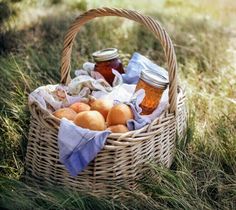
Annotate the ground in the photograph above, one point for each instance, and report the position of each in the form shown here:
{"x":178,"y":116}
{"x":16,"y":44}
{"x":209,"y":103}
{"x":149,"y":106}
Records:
{"x":203,"y":175}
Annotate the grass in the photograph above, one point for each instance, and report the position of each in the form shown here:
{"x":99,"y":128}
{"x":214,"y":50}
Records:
{"x":203,"y":175}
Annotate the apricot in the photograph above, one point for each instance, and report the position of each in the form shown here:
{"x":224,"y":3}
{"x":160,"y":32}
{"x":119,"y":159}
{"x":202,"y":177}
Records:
{"x":92,"y":120}
{"x":102,"y":105}
{"x":67,"y":113}
{"x":119,"y":114}
{"x":118,"y":129}
{"x":80,"y":107}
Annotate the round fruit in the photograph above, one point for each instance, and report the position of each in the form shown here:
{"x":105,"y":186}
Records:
{"x":102,"y":105}
{"x":118,"y":129}
{"x":67,"y":113}
{"x":80,"y":107}
{"x":119,"y":114}
{"x":92,"y":120}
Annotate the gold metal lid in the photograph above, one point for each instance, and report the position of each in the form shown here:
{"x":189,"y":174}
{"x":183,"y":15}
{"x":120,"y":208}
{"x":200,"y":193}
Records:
{"x":105,"y":54}
{"x":154,"y":78}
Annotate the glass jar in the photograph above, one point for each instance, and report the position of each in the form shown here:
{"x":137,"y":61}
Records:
{"x":106,"y":60}
{"x":154,"y":85}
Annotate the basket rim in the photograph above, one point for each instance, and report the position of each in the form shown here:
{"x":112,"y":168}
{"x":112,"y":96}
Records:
{"x":115,"y":136}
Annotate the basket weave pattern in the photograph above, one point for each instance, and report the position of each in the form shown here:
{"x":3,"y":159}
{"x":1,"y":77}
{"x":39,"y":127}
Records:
{"x":125,"y":157}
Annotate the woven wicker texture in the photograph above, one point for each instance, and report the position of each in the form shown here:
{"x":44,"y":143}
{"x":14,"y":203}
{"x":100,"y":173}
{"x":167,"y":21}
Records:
{"x":125,"y":157}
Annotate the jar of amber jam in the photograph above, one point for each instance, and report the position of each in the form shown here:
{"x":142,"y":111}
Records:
{"x":154,"y":85}
{"x":106,"y":60}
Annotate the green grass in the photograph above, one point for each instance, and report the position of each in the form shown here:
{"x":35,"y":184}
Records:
{"x":203,"y":175}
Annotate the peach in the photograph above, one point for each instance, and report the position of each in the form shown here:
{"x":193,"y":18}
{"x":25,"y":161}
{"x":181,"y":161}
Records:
{"x":80,"y":107}
{"x":118,"y":129}
{"x":92,"y":120}
{"x":67,"y":113}
{"x":102,"y":105}
{"x":119,"y":114}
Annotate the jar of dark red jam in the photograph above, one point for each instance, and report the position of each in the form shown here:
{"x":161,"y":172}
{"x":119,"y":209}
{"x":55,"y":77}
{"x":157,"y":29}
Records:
{"x":106,"y":60}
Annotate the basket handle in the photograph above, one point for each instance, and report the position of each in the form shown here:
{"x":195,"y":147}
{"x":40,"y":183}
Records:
{"x":147,"y":21}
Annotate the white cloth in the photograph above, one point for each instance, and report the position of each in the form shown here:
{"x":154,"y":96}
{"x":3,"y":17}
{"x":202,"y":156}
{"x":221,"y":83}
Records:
{"x":138,"y":63}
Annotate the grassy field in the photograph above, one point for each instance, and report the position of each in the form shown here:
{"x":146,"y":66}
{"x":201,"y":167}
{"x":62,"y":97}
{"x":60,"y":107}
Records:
{"x":203,"y":175}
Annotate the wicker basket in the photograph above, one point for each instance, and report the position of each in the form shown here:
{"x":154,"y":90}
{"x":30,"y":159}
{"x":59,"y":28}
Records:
{"x":124,"y":158}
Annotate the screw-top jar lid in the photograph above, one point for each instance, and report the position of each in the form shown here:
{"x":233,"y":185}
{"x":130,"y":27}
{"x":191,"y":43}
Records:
{"x":105,"y":54}
{"x":154,"y":78}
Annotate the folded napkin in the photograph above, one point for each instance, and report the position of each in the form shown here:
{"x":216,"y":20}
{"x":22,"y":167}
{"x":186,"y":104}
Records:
{"x":136,"y":64}
{"x":78,"y":146}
